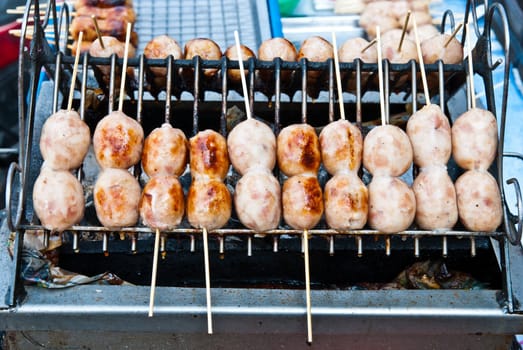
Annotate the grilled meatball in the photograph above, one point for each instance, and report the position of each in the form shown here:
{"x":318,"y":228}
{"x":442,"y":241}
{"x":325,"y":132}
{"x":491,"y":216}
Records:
{"x":389,"y":46}
{"x":315,"y":49}
{"x":165,"y":152}
{"x":162,"y":204}
{"x":346,"y":202}
{"x":118,"y":141}
{"x":298,"y":150}
{"x":425,"y":31}
{"x":257,"y":200}
{"x":434,"y":49}
{"x":475,"y":139}
{"x":479,"y":201}
{"x":268,"y":51}
{"x":206,"y":49}
{"x":116,"y":198}
{"x":387,"y":151}
{"x":302,"y":201}
{"x":208,"y":204}
{"x":251,"y":144}
{"x":430,"y":135}
{"x":162,"y":46}
{"x":112,"y":46}
{"x":392,"y":204}
{"x":436,"y":206}
{"x":58,"y":199}
{"x":64,"y":140}
{"x":231,"y":53}
{"x":208,"y":155}
{"x":341,"y":147}
{"x":351,"y":49}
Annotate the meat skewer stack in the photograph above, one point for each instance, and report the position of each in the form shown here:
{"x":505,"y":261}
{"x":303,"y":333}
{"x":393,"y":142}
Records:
{"x":346,"y":197}
{"x":208,"y":200}
{"x":430,"y":135}
{"x":117,"y":143}
{"x":112,"y":19}
{"x":58,"y":196}
{"x":162,"y":204}
{"x":299,"y":157}
{"x":474,"y":146}
{"x":387,"y":153}
{"x":252,"y":151}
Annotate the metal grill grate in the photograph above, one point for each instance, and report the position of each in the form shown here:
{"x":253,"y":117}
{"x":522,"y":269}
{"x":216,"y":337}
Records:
{"x":216,"y":19}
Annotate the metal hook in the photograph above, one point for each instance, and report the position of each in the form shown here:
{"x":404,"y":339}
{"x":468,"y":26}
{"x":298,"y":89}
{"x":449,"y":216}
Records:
{"x":450,"y":15}
{"x":13,"y":167}
{"x":514,"y":235}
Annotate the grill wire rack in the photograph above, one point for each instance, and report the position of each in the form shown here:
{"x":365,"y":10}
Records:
{"x":58,"y":65}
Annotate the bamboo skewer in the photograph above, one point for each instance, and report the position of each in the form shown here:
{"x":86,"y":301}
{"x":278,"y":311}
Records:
{"x":454,"y":33}
{"x":471,"y":69}
{"x":207,"y":279}
{"x":421,"y":64}
{"x":98,"y":34}
{"x":124,"y":67}
{"x":154,"y":272}
{"x":307,"y":284}
{"x":338,"y":76}
{"x":380,"y":77}
{"x":242,"y":75}
{"x":75,"y":72}
{"x":373,"y":42}
{"x":404,"y":30}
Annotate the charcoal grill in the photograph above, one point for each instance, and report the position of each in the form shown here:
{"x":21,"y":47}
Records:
{"x":257,"y":280}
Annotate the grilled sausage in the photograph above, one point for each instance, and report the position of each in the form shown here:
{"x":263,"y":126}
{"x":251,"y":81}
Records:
{"x":341,"y":147}
{"x":162,"y":203}
{"x":116,"y":197}
{"x":206,"y":49}
{"x":251,"y":144}
{"x":430,"y":135}
{"x":165,"y":151}
{"x":302,"y":201}
{"x":346,"y":202}
{"x":387,"y":151}
{"x":436,"y":206}
{"x":161,"y":47}
{"x":257,"y":200}
{"x":475,"y":139}
{"x":208,"y":155}
{"x":58,"y":199}
{"x":315,"y":49}
{"x":479,"y":201}
{"x":118,"y":141}
{"x":298,"y":150}
{"x":392,"y":204}
{"x":64,"y":140}
{"x":434,"y":49}
{"x":208,"y":204}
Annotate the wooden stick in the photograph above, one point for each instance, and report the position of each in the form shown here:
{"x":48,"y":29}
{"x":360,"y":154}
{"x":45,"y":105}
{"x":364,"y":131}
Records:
{"x":242,"y":75}
{"x":124,"y":67}
{"x":404,"y":31}
{"x":471,"y":69}
{"x":207,"y":280}
{"x":155,"y":271}
{"x":98,"y":34}
{"x":421,"y":64}
{"x":75,"y":72}
{"x":380,"y":77}
{"x":338,"y":76}
{"x":454,"y":33}
{"x":307,"y":284}
{"x":374,"y":41}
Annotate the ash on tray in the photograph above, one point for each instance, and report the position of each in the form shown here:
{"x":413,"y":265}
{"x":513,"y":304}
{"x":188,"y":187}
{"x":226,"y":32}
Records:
{"x":427,"y":274}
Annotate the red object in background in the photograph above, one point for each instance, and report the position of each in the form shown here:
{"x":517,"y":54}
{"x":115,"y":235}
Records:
{"x":9,"y":44}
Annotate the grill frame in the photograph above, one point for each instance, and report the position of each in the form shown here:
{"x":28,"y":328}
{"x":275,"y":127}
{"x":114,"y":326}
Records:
{"x":483,"y":307}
